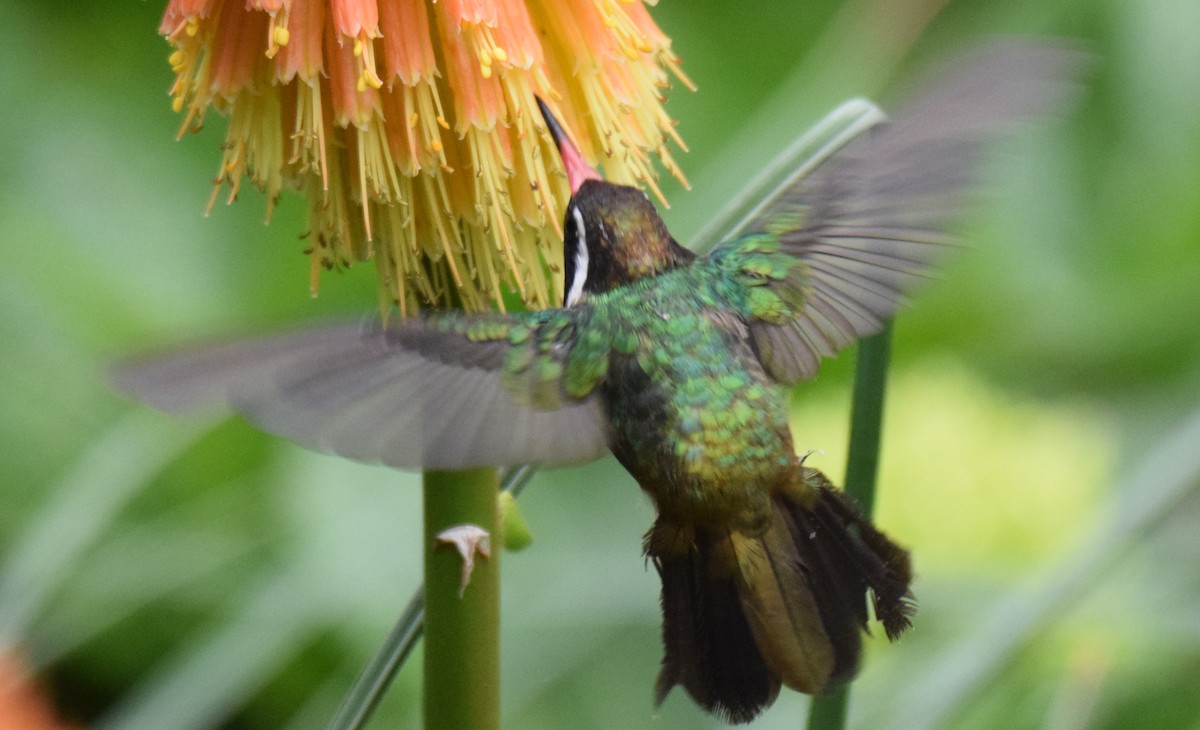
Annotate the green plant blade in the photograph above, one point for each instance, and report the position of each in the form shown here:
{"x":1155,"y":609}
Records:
{"x":828,"y":712}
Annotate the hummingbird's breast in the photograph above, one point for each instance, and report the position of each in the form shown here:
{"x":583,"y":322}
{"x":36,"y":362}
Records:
{"x":696,"y":419}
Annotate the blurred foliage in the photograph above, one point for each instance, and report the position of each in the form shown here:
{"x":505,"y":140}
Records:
{"x":1040,"y":448}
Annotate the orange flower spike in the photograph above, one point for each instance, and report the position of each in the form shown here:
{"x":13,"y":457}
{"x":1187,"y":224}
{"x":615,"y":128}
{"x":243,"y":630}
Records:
{"x":359,"y":21}
{"x":660,"y":46}
{"x":582,"y":27}
{"x":182,"y":24}
{"x":270,"y":7}
{"x":477,"y":98}
{"x":356,"y":18}
{"x":629,"y":39}
{"x":523,"y":76}
{"x":253,"y":147}
{"x":403,"y":134}
{"x":610,"y":91}
{"x":180,"y":14}
{"x":412,"y":107}
{"x":510,"y":38}
{"x":407,"y":46}
{"x":237,"y":56}
{"x":351,"y":103}
{"x":278,"y":34}
{"x":488,"y":94}
{"x":475,"y":12}
{"x":456,"y":195}
{"x":235,"y":72}
{"x":478,"y":25}
{"x":518,"y":38}
{"x":357,"y":110}
{"x":654,"y":39}
{"x":312,"y":106}
{"x":302,"y":54}
{"x":300,"y":65}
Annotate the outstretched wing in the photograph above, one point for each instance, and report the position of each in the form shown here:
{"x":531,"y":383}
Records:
{"x":442,"y":392}
{"x":838,"y":247}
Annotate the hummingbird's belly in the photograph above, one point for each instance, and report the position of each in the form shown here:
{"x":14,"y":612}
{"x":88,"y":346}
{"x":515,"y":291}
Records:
{"x":705,"y":430}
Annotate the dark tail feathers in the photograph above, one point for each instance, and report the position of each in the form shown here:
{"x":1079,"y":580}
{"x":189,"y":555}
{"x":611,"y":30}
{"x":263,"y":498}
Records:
{"x":744,"y":614}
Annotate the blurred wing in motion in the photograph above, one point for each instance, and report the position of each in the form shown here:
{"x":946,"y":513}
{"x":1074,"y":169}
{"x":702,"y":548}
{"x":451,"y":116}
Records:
{"x":869,"y":222}
{"x":443,"y":392}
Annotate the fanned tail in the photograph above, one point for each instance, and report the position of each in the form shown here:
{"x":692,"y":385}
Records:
{"x":744,"y":614}
{"x":710,"y":646}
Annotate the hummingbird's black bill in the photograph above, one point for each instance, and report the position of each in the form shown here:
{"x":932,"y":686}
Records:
{"x":577,"y":168}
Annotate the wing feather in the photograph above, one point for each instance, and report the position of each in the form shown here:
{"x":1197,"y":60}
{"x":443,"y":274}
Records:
{"x":870,"y":221}
{"x":420,"y":394}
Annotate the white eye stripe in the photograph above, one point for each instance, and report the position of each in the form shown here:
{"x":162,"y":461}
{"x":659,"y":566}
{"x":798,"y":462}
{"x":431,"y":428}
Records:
{"x":575,"y":291}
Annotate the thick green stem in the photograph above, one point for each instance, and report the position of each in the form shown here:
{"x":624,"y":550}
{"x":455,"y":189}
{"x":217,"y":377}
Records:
{"x":828,"y":712}
{"x":377,"y":676}
{"x":462,"y":632}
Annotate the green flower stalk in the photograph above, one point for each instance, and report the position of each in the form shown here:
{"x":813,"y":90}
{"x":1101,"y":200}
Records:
{"x":828,"y":712}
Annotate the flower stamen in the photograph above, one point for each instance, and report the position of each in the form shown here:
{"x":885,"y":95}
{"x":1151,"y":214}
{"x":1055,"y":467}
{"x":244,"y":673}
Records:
{"x":408,"y":126}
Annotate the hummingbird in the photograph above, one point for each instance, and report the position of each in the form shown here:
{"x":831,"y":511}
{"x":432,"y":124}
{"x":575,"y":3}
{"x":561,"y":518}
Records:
{"x":680,"y":364}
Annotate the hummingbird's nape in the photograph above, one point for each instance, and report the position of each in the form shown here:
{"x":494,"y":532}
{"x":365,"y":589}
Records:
{"x":577,"y":168}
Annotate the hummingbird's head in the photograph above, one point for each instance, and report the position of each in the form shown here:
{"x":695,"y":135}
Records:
{"x":613,"y":234}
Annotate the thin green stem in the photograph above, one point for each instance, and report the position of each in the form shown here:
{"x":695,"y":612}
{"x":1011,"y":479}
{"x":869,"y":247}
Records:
{"x":866,"y":417}
{"x":377,"y":676}
{"x":828,"y":711}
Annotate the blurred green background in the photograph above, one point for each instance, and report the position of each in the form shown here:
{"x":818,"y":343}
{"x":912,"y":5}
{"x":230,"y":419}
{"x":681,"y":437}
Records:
{"x":1042,"y":441}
